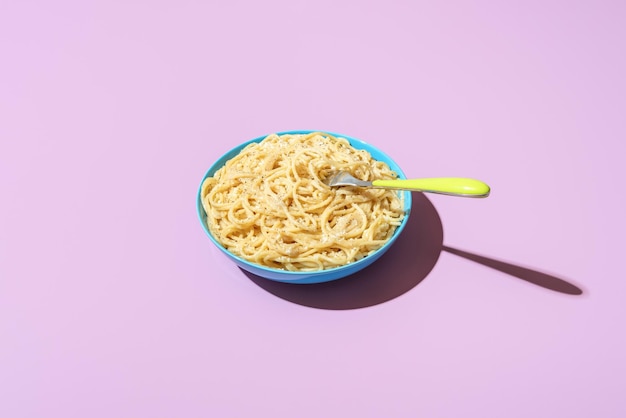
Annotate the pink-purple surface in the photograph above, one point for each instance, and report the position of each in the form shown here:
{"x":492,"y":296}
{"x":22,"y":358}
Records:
{"x":113,"y":302}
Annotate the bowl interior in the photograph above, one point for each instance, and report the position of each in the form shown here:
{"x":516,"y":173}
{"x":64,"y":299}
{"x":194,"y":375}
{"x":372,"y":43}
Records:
{"x":301,"y":277}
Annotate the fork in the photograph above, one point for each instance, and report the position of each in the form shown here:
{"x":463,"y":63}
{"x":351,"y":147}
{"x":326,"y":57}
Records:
{"x":453,"y":186}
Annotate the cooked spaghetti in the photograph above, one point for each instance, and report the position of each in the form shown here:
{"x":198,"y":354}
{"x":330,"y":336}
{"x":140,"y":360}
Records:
{"x":269,"y":204}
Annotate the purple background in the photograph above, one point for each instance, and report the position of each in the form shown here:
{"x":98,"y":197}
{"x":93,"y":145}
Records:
{"x":113,"y":302}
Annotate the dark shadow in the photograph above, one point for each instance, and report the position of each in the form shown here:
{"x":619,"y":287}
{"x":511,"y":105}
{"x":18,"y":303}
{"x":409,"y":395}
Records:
{"x":532,"y":276}
{"x":403,"y":267}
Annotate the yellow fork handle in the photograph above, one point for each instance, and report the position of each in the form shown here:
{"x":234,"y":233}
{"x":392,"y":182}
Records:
{"x":454,"y":186}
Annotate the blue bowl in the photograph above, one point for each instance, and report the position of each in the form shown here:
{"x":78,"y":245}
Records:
{"x":305,"y":277}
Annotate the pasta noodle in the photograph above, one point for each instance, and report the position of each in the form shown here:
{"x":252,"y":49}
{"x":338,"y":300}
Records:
{"x":269,"y":205}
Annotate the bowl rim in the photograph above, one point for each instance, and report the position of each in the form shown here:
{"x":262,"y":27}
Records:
{"x":298,"y":275}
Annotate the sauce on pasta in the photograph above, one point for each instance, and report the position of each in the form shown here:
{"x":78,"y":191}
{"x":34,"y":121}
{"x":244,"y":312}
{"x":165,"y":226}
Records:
{"x":269,"y":205}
